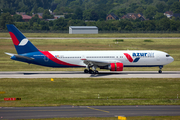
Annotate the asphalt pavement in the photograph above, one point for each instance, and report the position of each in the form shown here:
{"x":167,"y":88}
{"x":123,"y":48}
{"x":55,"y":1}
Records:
{"x":87,"y":111}
{"x":81,"y":74}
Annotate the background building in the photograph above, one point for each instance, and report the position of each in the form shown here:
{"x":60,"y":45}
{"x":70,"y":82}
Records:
{"x":112,"y":16}
{"x":83,"y":30}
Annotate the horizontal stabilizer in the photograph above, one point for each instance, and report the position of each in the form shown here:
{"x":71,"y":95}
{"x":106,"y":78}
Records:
{"x":20,"y":56}
{"x":9,"y":54}
{"x":24,"y":57}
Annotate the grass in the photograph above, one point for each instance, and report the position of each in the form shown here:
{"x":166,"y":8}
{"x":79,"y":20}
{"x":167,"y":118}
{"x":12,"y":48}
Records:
{"x":170,"y":46}
{"x":148,"y":41}
{"x":120,"y":40}
{"x":116,"y":118}
{"x":85,"y":91}
{"x":104,"y":35}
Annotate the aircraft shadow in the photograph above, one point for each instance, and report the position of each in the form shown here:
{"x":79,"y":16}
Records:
{"x":100,"y":74}
{"x":80,"y":73}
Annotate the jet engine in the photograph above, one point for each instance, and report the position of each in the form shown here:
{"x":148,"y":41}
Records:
{"x":116,"y":67}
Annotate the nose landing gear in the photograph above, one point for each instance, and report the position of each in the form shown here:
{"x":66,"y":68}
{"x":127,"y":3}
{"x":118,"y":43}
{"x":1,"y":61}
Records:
{"x":160,"y":69}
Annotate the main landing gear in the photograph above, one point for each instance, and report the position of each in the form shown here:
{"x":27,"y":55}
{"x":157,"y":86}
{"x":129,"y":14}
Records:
{"x":160,"y":69}
{"x":91,"y":71}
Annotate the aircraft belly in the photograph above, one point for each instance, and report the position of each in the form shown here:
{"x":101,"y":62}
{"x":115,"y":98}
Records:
{"x":74,"y":62}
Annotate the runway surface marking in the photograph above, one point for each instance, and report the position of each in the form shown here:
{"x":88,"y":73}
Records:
{"x":87,"y":111}
{"x":80,"y":74}
{"x":98,"y":109}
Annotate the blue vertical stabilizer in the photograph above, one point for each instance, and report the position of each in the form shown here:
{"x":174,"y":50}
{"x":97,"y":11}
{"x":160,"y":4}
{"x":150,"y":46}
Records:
{"x":21,"y":43}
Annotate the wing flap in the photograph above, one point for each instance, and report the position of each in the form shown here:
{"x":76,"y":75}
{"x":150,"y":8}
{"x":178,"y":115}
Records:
{"x":99,"y":62}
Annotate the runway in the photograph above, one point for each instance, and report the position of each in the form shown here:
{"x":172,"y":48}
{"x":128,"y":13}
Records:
{"x":81,"y":74}
{"x":87,"y":111}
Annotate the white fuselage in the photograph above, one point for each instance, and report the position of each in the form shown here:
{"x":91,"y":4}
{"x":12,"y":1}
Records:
{"x":145,"y":57}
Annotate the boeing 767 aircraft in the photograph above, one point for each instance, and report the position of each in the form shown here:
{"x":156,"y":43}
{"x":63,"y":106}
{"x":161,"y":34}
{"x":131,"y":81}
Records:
{"x":91,"y":60}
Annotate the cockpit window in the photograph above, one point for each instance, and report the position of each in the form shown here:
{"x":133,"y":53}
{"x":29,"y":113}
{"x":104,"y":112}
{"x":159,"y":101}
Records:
{"x":167,"y":55}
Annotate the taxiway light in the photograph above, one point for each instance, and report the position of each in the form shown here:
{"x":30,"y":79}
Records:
{"x":2,"y":92}
{"x":52,"y":79}
{"x":121,"y":118}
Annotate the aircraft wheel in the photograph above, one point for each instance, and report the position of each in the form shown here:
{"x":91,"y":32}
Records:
{"x":160,"y":71}
{"x":91,"y":71}
{"x":96,"y":72}
{"x":86,"y":71}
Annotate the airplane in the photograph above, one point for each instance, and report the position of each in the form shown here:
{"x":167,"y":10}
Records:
{"x":113,"y":60}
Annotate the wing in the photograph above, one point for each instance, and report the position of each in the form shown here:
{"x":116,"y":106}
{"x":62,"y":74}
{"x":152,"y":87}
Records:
{"x":99,"y":63}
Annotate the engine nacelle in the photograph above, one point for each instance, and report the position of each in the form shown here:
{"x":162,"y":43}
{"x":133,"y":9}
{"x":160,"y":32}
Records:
{"x":116,"y":67}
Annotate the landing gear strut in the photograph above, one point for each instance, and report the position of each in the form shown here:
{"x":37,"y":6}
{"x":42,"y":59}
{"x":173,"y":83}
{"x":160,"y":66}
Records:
{"x":160,"y":69}
{"x":94,"y":71}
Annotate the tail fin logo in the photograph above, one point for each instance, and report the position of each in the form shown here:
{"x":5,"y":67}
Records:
{"x":130,"y":58}
{"x":23,"y":42}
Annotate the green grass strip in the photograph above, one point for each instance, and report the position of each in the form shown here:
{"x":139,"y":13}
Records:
{"x":85,"y":91}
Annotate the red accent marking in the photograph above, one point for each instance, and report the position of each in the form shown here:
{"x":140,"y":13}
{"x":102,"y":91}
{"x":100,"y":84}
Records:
{"x":83,"y":59}
{"x":51,"y":57}
{"x":14,"y":38}
{"x":128,"y":57}
{"x":9,"y":99}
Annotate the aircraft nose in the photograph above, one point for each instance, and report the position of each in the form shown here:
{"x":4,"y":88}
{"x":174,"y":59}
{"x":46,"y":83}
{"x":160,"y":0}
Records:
{"x":171,"y":59}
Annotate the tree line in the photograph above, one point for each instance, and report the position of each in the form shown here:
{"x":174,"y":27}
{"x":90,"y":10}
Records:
{"x":91,"y":9}
{"x":159,"y":24}
{"x":91,"y":13}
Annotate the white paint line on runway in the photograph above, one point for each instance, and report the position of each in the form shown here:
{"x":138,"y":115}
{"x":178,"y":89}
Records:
{"x":80,"y":74}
